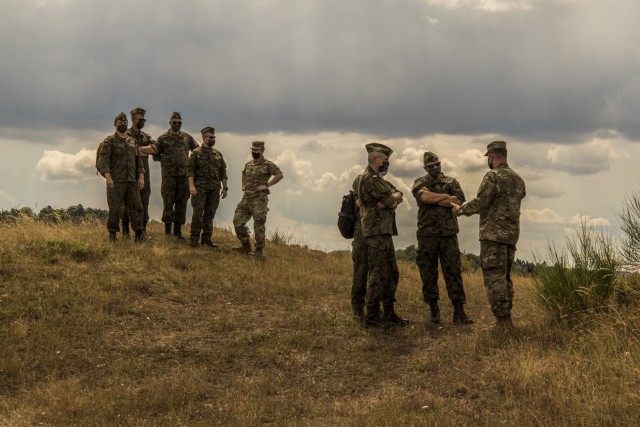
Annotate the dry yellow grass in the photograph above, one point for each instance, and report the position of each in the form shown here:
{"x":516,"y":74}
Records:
{"x":163,"y":334}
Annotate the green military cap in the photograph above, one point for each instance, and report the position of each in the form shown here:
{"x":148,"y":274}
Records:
{"x":176,"y":115}
{"x":495,"y":144}
{"x":120,"y":116}
{"x":257,"y":145}
{"x":430,"y":157}
{"x":138,"y":110}
{"x":208,"y":129}
{"x":381,"y":148}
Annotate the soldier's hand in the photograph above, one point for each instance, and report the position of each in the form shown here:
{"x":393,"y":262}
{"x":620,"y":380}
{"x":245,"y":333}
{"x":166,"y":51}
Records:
{"x":140,"y":183}
{"x":456,"y":209}
{"x":262,"y":188}
{"x":193,"y":191}
{"x":110,"y":184}
{"x":223,"y":194}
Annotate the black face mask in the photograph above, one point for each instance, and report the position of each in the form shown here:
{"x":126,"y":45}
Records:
{"x":140,"y":124}
{"x":489,"y":162}
{"x":384,"y":168}
{"x":434,"y":172}
{"x":211,"y":142}
{"x":122,"y":128}
{"x":256,"y":155}
{"x":176,"y":127}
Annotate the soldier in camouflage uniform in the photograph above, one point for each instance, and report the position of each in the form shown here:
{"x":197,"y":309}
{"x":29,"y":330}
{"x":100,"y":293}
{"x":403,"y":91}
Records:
{"x":378,"y":201}
{"x":257,"y":176}
{"x":360,"y":265}
{"x":207,"y":173}
{"x":120,"y":163}
{"x":142,"y":139}
{"x":173,"y":147}
{"x":498,"y":203}
{"x":437,"y":238}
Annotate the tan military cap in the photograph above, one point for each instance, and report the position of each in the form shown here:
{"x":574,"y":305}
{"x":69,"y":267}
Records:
{"x":495,"y":144}
{"x":138,"y":110}
{"x":120,"y":116}
{"x":208,"y":129}
{"x":176,"y":115}
{"x":381,"y":148}
{"x":430,"y":157}
{"x":257,"y":145}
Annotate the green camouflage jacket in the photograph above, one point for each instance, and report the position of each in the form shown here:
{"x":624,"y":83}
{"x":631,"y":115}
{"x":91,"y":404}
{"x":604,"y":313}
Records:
{"x":207,"y":167}
{"x":120,"y":157}
{"x":374,"y":189}
{"x":258,"y":172}
{"x":174,"y":152}
{"x":142,"y":139}
{"x":498,"y":203}
{"x":435,"y":220}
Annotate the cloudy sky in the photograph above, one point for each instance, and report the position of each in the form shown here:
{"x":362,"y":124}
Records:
{"x":317,"y":80}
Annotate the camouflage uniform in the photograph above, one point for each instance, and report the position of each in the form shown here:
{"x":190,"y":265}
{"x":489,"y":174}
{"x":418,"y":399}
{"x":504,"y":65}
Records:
{"x":378,"y":225}
{"x":142,"y":139}
{"x":254,"y":203}
{"x":437,"y":238}
{"x":359,"y":258}
{"x":174,"y":153}
{"x":120,"y":157}
{"x":498,"y":203}
{"x":208,"y":168}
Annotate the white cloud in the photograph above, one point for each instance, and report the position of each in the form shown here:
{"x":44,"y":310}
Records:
{"x":431,"y":21}
{"x":58,"y":166}
{"x":486,"y":5}
{"x":579,"y":219}
{"x":542,"y":216}
{"x":472,"y":160}
{"x":295,"y":170}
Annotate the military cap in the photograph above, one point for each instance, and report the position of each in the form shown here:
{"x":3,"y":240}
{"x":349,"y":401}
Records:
{"x":381,"y":148}
{"x":138,"y":110}
{"x":208,"y":129}
{"x":120,"y":116}
{"x":495,"y":144}
{"x":176,"y":115}
{"x":257,"y":145}
{"x":430,"y":157}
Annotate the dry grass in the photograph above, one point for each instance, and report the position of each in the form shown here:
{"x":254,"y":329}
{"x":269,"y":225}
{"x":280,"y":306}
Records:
{"x":163,"y":334}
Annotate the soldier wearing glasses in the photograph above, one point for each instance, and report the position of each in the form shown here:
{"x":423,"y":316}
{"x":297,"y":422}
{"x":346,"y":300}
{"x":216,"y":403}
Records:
{"x":437,"y":233}
{"x":173,"y":147}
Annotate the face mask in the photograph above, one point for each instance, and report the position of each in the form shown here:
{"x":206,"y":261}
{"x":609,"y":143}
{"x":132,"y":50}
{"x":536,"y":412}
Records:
{"x":434,"y":172}
{"x":140,"y":124}
{"x":212,"y":142}
{"x":256,"y":155}
{"x":122,"y":128}
{"x":384,"y":168}
{"x":176,"y":127}
{"x":489,"y":162}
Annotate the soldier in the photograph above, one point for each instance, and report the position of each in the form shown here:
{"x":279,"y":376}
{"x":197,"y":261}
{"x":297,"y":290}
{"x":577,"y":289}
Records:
{"x":360,"y":265}
{"x":173,"y":147}
{"x":437,"y":238}
{"x":120,"y":163}
{"x":257,"y":176}
{"x":498,"y":203}
{"x":378,"y":201}
{"x":206,"y":171}
{"x":142,"y":139}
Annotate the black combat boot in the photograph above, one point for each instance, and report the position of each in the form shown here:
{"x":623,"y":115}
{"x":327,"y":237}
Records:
{"x":358,"y":311}
{"x":193,"y":242}
{"x":206,"y":241}
{"x":459,"y":316}
{"x":390,"y":316}
{"x":139,"y":236}
{"x":244,"y":249}
{"x":504,"y":324}
{"x":167,"y":228}
{"x":435,"y":311}
{"x":258,"y":253}
{"x":372,"y":319}
{"x":125,"y":230}
{"x":112,"y":236}
{"x":177,"y":230}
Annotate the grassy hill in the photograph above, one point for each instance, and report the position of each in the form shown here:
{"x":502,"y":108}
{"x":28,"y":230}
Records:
{"x":164,"y":334}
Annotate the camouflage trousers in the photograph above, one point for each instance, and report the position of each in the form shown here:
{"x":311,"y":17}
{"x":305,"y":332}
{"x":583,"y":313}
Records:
{"x":360,"y":268}
{"x":383,"y":271}
{"x":445,"y":248}
{"x":145,"y":194}
{"x":175,"y":194}
{"x":256,"y":208}
{"x":204,"y":204}
{"x":127,"y":194}
{"x":497,"y":260}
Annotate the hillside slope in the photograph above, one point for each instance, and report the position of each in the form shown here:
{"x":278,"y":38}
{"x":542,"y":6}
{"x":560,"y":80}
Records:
{"x":165,"y":334}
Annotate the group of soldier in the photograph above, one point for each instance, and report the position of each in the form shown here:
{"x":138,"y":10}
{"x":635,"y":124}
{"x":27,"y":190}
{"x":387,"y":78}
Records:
{"x":440,"y":201}
{"x":188,"y":170}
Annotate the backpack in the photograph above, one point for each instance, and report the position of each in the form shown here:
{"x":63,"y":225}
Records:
{"x":348,"y":215}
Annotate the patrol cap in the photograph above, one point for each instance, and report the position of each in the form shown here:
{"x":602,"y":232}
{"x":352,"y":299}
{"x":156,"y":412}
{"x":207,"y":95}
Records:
{"x":257,"y":145}
{"x":138,"y":110}
{"x":175,"y":115}
{"x":381,"y":148}
{"x":430,"y":157}
{"x":120,"y":116}
{"x":495,"y":144}
{"x":208,"y":129}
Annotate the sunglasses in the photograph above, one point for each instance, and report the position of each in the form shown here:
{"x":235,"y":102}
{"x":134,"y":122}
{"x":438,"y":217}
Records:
{"x":433,"y":165}
{"x":175,"y":123}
